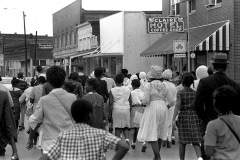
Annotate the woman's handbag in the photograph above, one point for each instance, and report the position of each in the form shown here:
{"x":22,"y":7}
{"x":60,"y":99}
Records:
{"x":29,"y":111}
{"x":138,"y":116}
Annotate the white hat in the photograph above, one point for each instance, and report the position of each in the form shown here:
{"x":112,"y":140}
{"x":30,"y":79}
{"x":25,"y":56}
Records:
{"x":201,"y":72}
{"x":155,"y":72}
{"x":167,"y":74}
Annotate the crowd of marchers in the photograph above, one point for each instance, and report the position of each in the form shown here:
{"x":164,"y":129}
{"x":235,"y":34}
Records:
{"x":75,"y":116}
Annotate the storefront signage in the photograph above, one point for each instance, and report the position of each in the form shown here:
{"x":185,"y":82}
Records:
{"x":45,"y":46}
{"x":165,"y":24}
{"x":193,"y":55}
{"x":179,"y":46}
{"x":177,"y":55}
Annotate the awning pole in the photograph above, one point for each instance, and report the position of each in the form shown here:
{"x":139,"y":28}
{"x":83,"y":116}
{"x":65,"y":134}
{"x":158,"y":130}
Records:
{"x":188,"y":50}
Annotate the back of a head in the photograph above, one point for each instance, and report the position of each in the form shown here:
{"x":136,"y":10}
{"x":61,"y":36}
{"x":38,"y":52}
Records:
{"x":119,"y":78}
{"x":201,"y":72}
{"x":56,"y":76}
{"x":69,"y":86}
{"x":219,"y":67}
{"x":80,"y":111}
{"x":124,"y":72}
{"x":41,"y":80}
{"x":74,"y":76}
{"x":142,"y":75}
{"x":187,"y":79}
{"x":93,"y":82}
{"x":39,"y":69}
{"x":15,"y":82}
{"x":20,"y":75}
{"x":226,"y":99}
{"x":136,"y":83}
{"x":98,"y":72}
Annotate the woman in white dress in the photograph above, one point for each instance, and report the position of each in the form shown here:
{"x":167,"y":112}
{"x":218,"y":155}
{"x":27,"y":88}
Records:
{"x":119,"y":105}
{"x":167,"y":75}
{"x":153,"y":126}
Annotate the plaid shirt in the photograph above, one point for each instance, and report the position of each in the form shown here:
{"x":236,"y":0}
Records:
{"x":82,"y":142}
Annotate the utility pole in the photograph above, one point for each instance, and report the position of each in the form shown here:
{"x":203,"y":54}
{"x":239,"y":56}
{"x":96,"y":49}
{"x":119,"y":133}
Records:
{"x":25,"y":42}
{"x":188,"y":50}
{"x":35,"y":56}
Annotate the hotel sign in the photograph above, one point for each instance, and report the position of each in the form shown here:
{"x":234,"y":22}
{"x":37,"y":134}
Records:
{"x":165,"y":24}
{"x":45,"y":45}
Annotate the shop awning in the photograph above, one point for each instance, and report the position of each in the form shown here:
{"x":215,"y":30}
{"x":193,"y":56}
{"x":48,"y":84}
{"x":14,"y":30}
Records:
{"x":211,"y":37}
{"x":99,"y":54}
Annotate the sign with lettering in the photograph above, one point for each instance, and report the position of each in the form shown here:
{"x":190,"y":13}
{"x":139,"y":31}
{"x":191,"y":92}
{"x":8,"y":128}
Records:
{"x":45,"y":45}
{"x":178,"y":55}
{"x":179,"y":46}
{"x":165,"y":24}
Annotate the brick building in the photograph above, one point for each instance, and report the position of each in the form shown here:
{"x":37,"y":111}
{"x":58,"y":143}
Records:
{"x":12,"y":46}
{"x":214,"y":27}
{"x":65,"y":34}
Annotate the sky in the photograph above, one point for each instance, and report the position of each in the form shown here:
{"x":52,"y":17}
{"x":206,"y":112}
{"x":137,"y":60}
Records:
{"x":39,"y":12}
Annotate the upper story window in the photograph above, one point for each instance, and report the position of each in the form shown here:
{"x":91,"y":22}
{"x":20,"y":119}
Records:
{"x":213,"y":3}
{"x":174,"y":7}
{"x":192,"y":6}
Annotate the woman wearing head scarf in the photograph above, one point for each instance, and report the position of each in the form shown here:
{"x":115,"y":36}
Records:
{"x":201,"y":72}
{"x":167,"y":75}
{"x":153,"y":126}
{"x":143,"y":80}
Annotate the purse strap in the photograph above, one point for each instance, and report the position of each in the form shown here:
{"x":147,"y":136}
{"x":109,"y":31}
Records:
{"x":234,"y":133}
{"x":64,"y":106}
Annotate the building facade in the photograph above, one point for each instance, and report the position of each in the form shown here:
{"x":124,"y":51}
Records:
{"x":66,"y":23}
{"x":122,"y":37}
{"x":13,"y":49}
{"x":212,"y":28}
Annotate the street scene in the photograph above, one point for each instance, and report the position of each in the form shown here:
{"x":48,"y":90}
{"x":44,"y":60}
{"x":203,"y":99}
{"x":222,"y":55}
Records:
{"x":122,"y":79}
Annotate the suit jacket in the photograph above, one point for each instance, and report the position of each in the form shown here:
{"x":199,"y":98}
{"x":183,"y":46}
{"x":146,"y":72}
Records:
{"x":204,"y":102}
{"x":7,"y":123}
{"x":102,"y":90}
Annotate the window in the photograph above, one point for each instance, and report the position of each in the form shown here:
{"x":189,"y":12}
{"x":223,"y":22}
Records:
{"x":213,"y":3}
{"x":59,"y":42}
{"x":43,"y":63}
{"x":72,"y":38}
{"x":192,"y":5}
{"x":174,"y":7}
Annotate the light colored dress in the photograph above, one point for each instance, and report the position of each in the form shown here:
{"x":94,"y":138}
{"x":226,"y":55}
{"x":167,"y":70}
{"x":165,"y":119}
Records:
{"x":173,"y":89}
{"x":36,"y":94}
{"x":154,"y":121}
{"x":121,"y":107}
{"x":137,"y":97}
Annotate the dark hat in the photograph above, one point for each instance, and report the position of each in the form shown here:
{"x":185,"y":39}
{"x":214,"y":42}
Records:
{"x":220,"y":58}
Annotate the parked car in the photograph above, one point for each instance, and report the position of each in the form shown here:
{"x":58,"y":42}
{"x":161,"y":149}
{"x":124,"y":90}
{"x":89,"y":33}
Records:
{"x":6,"y":81}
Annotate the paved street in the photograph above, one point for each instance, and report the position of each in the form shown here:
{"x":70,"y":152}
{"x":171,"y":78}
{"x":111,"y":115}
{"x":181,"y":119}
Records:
{"x":166,"y":153}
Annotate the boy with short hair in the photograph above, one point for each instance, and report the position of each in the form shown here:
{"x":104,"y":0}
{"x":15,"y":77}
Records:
{"x":84,"y":141}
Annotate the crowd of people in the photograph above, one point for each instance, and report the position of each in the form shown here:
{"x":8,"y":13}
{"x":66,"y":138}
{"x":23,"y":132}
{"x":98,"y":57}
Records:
{"x":76,"y":116}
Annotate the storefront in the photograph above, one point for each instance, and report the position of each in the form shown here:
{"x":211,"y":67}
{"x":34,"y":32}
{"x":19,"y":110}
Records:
{"x":203,"y":42}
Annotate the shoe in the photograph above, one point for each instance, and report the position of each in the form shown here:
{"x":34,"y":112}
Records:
{"x":14,"y":158}
{"x":144,"y":147}
{"x":133,"y":145}
{"x":168,"y":144}
{"x":164,"y":144}
{"x":173,"y":141}
{"x":127,"y":141}
{"x":21,"y":128}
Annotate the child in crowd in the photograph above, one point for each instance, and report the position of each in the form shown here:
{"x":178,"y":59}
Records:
{"x":137,"y":97}
{"x":83,"y":141}
{"x":189,"y":125}
{"x":222,"y":134}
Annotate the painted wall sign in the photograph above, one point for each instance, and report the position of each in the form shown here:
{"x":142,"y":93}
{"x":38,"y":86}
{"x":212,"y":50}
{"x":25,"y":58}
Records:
{"x":165,"y":24}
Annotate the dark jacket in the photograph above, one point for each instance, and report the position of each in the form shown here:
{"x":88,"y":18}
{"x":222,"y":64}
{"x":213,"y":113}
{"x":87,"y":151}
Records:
{"x":204,"y":102}
{"x":7,"y":123}
{"x":103,"y":91}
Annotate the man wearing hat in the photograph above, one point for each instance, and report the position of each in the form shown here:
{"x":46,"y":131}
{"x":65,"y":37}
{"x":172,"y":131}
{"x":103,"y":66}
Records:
{"x":203,"y":101}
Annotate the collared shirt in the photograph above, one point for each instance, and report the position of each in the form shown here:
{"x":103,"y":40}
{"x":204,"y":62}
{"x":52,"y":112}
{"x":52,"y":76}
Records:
{"x":82,"y":142}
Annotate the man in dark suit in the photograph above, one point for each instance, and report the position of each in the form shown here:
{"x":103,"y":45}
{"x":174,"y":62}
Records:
{"x":203,"y":101}
{"x":8,"y":130}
